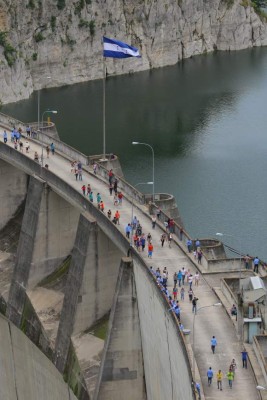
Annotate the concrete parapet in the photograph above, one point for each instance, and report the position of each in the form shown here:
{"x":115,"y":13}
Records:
{"x":25,"y":251}
{"x":167,"y":203}
{"x":63,"y":148}
{"x":121,"y":373}
{"x":72,"y":290}
{"x":260,"y":348}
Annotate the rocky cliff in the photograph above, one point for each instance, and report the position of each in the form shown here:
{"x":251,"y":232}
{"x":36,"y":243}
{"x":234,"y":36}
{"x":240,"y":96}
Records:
{"x":45,"y":43}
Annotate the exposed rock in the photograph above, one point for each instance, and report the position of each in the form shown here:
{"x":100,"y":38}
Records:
{"x":65,"y":44}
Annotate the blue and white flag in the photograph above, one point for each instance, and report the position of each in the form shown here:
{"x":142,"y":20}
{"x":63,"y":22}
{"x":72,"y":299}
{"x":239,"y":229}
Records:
{"x":116,"y":49}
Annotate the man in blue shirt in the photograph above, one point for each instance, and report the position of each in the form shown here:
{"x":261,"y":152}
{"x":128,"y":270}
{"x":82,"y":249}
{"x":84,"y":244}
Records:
{"x":256,"y":264}
{"x":210,"y":376}
{"x":213,"y":343}
{"x":198,"y":390}
{"x":244,"y":359}
{"x":189,"y":245}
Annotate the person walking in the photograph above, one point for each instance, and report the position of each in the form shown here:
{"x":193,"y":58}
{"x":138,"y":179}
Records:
{"x":52,"y":147}
{"x":150,"y":250}
{"x":219,"y":377}
{"x":230,"y":377}
{"x":179,"y":277}
{"x":120,"y":196}
{"x":117,"y":216}
{"x":91,"y":197}
{"x":128,"y":230}
{"x":98,"y":199}
{"x":153,"y":220}
{"x":194,"y":304}
{"x":183,"y":275}
{"x":182,"y":294}
{"x":196,"y":278}
{"x":244,"y":358}
{"x":109,"y":214}
{"x":198,"y":390}
{"x":256,"y":262}
{"x":102,"y":206}
{"x":213,"y":344}
{"x":110,"y":176}
{"x":162,"y":239}
{"x":246,"y":261}
{"x":189,"y":245}
{"x":83,"y":189}
{"x":5,"y":137}
{"x":190,"y":281}
{"x":210,"y":376}
{"x":170,"y":240}
{"x":233,"y":367}
{"x":175,"y":292}
{"x":175,"y":279}
{"x":47,"y":151}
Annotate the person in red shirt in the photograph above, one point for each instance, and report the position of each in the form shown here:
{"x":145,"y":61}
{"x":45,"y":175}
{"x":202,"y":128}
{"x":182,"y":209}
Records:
{"x":83,"y":189}
{"x":150,"y":250}
{"x":117,"y":216}
{"x":120,"y":196}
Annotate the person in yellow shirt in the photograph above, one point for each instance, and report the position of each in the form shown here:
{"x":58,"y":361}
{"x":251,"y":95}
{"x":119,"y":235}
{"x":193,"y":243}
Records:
{"x":219,"y":376}
{"x":230,"y":377}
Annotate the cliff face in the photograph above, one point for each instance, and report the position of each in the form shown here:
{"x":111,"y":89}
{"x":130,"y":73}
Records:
{"x":61,"y":39}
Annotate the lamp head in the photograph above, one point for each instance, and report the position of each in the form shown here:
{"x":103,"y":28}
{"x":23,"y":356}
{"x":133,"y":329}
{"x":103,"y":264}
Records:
{"x":135,"y":142}
{"x":261,"y":387}
{"x":219,"y":234}
{"x":217,"y":304}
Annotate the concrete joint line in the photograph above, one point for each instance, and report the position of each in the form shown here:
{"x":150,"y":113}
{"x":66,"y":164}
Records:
{"x":13,"y":361}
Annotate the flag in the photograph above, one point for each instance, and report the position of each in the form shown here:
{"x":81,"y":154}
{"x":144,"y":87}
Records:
{"x":116,"y":49}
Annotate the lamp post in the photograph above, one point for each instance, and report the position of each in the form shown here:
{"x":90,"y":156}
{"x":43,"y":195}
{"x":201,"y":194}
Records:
{"x":137,"y":184}
{"x":45,"y":112}
{"x":193,"y":346}
{"x":240,"y":268}
{"x":153,"y":165}
{"x":39,"y":103}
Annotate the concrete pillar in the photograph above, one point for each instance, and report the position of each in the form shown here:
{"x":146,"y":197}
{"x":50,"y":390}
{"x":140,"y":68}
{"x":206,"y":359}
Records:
{"x":99,"y":280}
{"x":25,"y":251}
{"x":121,"y":372}
{"x":57,"y":227}
{"x":72,"y":290}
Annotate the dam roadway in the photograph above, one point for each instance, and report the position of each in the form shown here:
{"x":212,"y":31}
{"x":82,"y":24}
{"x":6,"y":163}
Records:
{"x":209,"y":322}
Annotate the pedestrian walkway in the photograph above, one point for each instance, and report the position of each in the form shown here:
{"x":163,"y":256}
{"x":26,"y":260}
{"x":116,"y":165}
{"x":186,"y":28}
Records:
{"x":209,"y":322}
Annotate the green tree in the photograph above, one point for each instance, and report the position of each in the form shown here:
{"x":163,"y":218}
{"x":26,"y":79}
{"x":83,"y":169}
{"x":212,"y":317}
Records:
{"x":260,"y":3}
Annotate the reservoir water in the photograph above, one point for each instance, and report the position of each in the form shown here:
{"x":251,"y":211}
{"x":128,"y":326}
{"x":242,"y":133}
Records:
{"x":206,"y":119}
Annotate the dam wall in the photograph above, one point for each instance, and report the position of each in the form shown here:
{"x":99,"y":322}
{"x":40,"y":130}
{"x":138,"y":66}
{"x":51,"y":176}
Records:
{"x":13,"y":189}
{"x":167,"y":368}
{"x":27,"y":374}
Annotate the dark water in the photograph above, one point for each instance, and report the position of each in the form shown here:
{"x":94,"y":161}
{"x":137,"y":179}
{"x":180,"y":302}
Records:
{"x":206,"y":119}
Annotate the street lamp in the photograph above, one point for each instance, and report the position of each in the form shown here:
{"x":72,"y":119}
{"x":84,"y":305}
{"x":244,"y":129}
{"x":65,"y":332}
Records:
{"x":38,"y":101}
{"x":240,"y":268}
{"x":153,"y":165}
{"x":45,"y":112}
{"x":137,"y":184}
{"x":194,"y":360}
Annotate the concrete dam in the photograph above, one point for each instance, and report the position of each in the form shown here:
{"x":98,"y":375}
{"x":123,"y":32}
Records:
{"x":65,"y":266}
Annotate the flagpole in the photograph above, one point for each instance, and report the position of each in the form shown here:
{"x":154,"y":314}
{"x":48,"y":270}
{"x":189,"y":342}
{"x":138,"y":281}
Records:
{"x":104,"y":109}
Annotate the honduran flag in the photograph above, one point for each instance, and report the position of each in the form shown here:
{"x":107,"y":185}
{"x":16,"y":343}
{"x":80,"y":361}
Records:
{"x":116,"y":49}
